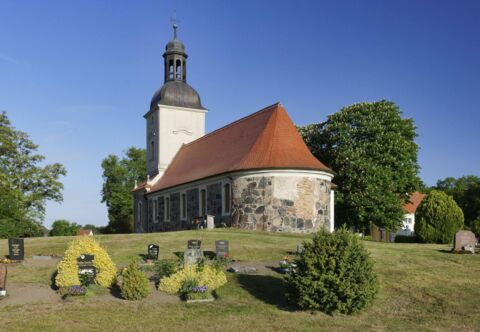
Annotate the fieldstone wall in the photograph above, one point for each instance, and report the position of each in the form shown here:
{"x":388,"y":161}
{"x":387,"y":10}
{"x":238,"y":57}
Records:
{"x":281,"y":204}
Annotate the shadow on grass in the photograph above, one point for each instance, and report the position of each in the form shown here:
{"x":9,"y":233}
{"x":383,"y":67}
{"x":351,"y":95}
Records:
{"x":53,"y":285}
{"x":267,"y":289}
{"x":460,"y":252}
{"x":115,"y":291}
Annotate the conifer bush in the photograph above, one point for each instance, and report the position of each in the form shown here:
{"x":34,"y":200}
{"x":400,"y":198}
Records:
{"x":438,"y":218}
{"x":333,"y":274}
{"x":67,"y":271}
{"x":135,"y":284}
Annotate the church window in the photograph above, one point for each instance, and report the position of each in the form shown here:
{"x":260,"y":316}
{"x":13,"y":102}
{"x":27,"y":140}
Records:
{"x":152,"y":150}
{"x":226,"y":198}
{"x":139,"y":212}
{"x":183,"y":205}
{"x":203,"y":202}
{"x":178,"y":69}
{"x":167,"y":209}
{"x":155,"y":211}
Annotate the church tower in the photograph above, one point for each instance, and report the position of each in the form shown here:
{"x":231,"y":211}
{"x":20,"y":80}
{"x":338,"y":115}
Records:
{"x":176,"y":114}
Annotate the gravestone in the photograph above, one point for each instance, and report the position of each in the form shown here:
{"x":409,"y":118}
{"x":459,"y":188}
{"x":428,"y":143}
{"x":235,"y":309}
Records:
{"x":464,"y":240}
{"x":85,"y":265}
{"x":3,"y":280}
{"x":16,"y":250}
{"x":194,"y":244}
{"x":300,"y":249}
{"x":153,"y":251}
{"x":192,"y":256}
{"x":221,"y":248}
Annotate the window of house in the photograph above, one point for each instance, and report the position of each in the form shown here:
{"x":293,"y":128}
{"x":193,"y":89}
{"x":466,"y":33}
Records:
{"x":203,"y":202}
{"x":183,"y":205}
{"x":226,"y":198}
{"x":167,"y":208}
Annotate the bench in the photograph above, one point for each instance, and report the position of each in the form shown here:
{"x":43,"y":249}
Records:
{"x":3,"y":280}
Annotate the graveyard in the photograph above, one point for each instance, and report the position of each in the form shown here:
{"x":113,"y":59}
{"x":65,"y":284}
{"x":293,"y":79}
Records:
{"x":422,"y":287}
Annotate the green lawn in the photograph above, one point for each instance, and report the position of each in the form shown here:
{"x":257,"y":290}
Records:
{"x":422,"y":287}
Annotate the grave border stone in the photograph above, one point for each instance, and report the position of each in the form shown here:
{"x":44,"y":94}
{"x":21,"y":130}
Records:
{"x":225,"y":245}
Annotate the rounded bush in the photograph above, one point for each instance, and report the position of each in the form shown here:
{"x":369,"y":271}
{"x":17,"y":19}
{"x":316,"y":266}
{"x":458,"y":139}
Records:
{"x":333,"y":274}
{"x":67,"y":271}
{"x":438,"y":218}
{"x":208,"y":276}
{"x":135,"y":285}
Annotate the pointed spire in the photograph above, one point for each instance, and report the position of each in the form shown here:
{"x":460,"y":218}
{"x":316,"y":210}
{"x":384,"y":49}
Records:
{"x":174,"y":21}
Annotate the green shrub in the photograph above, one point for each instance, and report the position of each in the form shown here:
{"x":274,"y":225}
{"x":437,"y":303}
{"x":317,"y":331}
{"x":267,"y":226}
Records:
{"x":476,"y":226}
{"x":165,"y":268}
{"x":333,"y":274}
{"x":135,"y":284}
{"x":438,"y":218}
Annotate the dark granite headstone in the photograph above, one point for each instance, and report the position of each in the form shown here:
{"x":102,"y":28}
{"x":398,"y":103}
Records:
{"x":85,"y":265}
{"x":194,"y":244}
{"x":16,"y":251}
{"x":221,"y":247}
{"x":153,"y":251}
{"x":464,"y":240}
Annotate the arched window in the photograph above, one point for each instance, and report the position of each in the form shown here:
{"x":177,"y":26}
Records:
{"x":183,"y":205}
{"x":184,"y":71}
{"x":203,"y":202}
{"x":170,"y":69}
{"x":152,"y":150}
{"x":178,"y":69}
{"x":226,"y":198}
{"x":167,"y":208}
{"x":139,"y":212}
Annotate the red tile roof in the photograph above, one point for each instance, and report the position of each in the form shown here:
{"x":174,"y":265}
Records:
{"x":263,"y":140}
{"x":415,"y":200}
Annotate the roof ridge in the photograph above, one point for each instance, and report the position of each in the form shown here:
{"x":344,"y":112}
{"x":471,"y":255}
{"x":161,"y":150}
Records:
{"x":235,"y":122}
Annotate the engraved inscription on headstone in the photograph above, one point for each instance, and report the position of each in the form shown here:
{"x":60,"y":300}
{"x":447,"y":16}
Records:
{"x":192,"y":256}
{"x":194,"y":244}
{"x":16,"y":250}
{"x":221,"y":247}
{"x":153,"y":251}
{"x":85,"y":265}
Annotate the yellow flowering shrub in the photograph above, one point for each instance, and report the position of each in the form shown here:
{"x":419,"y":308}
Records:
{"x":68,"y":270}
{"x":209,"y":276}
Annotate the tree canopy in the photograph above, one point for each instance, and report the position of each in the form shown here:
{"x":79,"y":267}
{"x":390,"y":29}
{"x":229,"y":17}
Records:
{"x":26,"y":184}
{"x":371,"y":149}
{"x":119,"y":177}
{"x":63,"y":227}
{"x":466,"y":192}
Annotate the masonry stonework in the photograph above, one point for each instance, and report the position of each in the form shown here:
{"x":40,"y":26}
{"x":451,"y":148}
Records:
{"x":281,"y":204}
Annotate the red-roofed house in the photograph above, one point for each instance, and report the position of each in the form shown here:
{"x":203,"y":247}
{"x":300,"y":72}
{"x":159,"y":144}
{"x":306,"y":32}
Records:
{"x":255,"y":173}
{"x":409,"y":218}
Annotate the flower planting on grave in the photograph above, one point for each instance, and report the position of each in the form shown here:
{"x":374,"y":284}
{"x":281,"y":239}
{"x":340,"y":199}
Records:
{"x":334,"y":273}
{"x":68,"y":270}
{"x":203,"y":275}
{"x":133,"y":282}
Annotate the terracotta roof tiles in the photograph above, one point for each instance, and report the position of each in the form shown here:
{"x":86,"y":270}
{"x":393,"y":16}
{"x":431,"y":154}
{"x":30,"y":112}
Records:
{"x":263,"y":140}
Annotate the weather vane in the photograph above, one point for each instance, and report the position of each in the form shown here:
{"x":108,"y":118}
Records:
{"x":175,"y":22}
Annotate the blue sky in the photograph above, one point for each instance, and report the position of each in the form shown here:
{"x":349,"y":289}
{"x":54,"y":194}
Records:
{"x":79,"y":75}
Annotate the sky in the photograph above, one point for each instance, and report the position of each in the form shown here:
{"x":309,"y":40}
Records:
{"x":78,"y":76}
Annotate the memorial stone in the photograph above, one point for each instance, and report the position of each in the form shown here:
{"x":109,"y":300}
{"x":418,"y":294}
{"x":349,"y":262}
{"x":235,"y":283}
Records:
{"x":192,"y":256}
{"x":464,"y":240}
{"x":194,"y":244}
{"x":221,"y":247}
{"x":85,"y":265}
{"x":16,"y":251}
{"x":153,"y":251}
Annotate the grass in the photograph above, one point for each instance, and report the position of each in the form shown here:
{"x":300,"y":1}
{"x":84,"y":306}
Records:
{"x":422,"y":287}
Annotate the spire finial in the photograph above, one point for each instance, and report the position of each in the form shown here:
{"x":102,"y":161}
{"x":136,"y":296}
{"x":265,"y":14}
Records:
{"x":174,"y":21}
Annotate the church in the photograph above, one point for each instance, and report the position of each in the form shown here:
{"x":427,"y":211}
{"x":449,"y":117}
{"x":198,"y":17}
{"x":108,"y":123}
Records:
{"x":255,"y":173}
